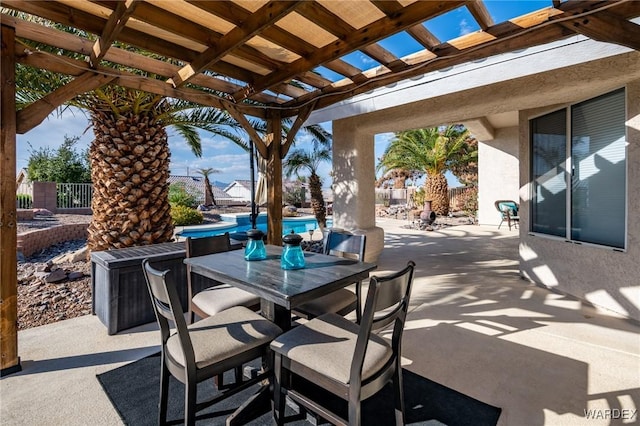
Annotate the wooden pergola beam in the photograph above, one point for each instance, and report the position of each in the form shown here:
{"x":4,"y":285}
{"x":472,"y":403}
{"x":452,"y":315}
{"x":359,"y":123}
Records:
{"x":261,"y":145}
{"x":67,"y":15}
{"x":277,"y":35}
{"x":9,"y":360}
{"x":115,"y":24}
{"x":607,"y":28}
{"x":74,"y":67}
{"x":378,"y":30}
{"x":256,"y":22}
{"x":480,"y":13}
{"x":79,"y":45}
{"x":33,"y":114}
{"x":293,"y":131}
{"x":423,"y":36}
{"x":448,"y":56}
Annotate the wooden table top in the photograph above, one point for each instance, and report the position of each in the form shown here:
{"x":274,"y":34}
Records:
{"x":321,"y":275}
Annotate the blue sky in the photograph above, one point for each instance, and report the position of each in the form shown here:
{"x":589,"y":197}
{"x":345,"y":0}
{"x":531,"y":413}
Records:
{"x":232,"y":161}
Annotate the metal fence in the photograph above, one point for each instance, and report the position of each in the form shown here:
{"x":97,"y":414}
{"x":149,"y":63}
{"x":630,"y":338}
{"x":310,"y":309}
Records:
{"x":454,"y":196}
{"x":391,"y":197}
{"x":74,"y":195}
{"x":78,"y":195}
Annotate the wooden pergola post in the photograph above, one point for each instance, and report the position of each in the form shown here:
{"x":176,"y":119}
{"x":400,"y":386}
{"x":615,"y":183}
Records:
{"x":274,"y":178}
{"x":9,"y":360}
{"x":273,"y":149}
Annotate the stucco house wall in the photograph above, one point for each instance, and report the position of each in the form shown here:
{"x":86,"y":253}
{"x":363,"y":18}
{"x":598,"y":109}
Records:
{"x":498,"y":172}
{"x":498,"y":96}
{"x":606,"y":278}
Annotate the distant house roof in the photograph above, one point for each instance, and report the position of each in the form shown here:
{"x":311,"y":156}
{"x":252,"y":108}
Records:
{"x":194,"y":185}
{"x":219,"y":193}
{"x":22,"y":176}
{"x":243,"y":183}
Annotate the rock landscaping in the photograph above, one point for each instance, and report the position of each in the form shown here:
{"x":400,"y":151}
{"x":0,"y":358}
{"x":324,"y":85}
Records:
{"x":54,"y":284}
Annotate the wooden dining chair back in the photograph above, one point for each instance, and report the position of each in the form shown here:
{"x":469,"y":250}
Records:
{"x":217,"y":296}
{"x":205,"y":349}
{"x":344,"y":301}
{"x":349,"y":360}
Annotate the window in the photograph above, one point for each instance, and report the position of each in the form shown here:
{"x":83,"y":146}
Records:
{"x":578,"y":165}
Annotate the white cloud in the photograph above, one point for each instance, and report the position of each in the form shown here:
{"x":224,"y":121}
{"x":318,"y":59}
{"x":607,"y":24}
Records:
{"x":367,"y":60}
{"x":218,"y":153}
{"x":465,"y":28}
{"x":382,"y":140}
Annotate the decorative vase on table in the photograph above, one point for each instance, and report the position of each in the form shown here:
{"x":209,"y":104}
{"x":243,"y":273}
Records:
{"x":292,"y":254}
{"x":255,"y":249}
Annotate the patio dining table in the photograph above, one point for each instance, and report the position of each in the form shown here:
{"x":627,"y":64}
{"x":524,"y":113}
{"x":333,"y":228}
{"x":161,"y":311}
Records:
{"x":280,"y":292}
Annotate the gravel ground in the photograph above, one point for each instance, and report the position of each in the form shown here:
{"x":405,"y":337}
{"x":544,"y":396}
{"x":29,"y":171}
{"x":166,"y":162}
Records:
{"x":41,"y":302}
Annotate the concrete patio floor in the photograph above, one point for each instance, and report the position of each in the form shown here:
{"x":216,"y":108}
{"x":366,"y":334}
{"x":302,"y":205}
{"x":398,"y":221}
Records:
{"x":474,"y":326}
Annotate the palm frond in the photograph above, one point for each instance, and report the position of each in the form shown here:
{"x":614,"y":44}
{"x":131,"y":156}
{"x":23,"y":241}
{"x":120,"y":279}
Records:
{"x":191,"y":136}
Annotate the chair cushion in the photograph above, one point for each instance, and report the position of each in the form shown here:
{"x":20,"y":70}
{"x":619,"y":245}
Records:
{"x":224,"y":335}
{"x":510,"y":207}
{"x":327,"y":344}
{"x":333,"y":302}
{"x":218,"y":298}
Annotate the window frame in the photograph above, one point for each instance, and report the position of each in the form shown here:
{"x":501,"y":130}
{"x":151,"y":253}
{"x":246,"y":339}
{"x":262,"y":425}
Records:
{"x":568,"y":174}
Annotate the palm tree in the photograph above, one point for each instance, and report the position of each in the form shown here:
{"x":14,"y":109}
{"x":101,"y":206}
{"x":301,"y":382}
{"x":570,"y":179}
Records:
{"x":207,"y":183}
{"x":130,"y":156}
{"x":300,"y":160}
{"x":130,"y":153}
{"x":398,"y":176}
{"x":130,"y":162}
{"x":432,"y":151}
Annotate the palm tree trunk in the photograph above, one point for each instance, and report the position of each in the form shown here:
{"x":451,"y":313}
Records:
{"x":209,"y":191}
{"x":437,"y":190}
{"x":129,"y":171}
{"x":317,"y":200}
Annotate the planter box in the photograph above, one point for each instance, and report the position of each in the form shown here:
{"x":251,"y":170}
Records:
{"x":120,"y":297}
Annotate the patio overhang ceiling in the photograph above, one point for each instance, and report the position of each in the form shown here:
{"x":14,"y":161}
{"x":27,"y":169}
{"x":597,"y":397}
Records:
{"x":251,"y":57}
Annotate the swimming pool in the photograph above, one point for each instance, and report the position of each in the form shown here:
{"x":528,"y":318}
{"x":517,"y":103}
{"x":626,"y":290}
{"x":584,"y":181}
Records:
{"x":237,"y":223}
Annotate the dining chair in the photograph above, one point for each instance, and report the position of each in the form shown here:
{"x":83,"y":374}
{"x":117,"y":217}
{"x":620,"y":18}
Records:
{"x":220,"y":296}
{"x":349,"y":360}
{"x":343,"y":301}
{"x":206,"y":348}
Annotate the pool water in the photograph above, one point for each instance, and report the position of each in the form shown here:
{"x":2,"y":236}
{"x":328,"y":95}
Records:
{"x":243,"y":223}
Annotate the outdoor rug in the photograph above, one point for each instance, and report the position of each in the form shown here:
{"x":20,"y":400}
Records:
{"x":134,"y":391}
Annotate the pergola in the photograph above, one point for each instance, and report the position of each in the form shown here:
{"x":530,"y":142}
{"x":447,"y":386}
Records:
{"x":256,"y":58}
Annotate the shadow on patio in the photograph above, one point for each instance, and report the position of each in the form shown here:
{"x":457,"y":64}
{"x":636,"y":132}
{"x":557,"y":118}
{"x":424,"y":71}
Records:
{"x":474,"y":326}
{"x":477,"y":327}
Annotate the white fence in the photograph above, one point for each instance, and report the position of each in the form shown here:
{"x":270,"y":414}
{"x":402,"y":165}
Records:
{"x":24,"y":195}
{"x":74,"y":195}
{"x":68,"y":195}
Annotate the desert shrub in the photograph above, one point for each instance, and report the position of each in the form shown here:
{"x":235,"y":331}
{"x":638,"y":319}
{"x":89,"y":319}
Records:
{"x":419,"y":198}
{"x":293,"y":193}
{"x":184,"y":216}
{"x":178,"y":196}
